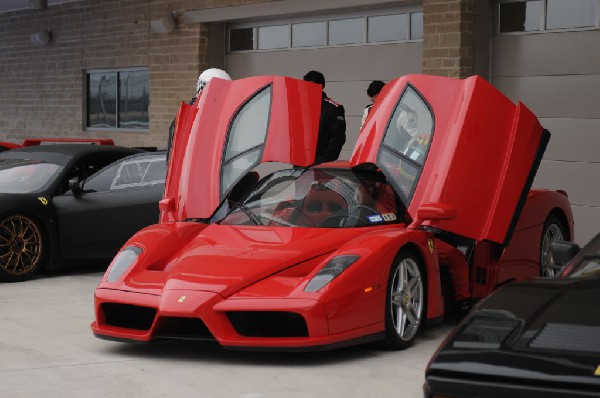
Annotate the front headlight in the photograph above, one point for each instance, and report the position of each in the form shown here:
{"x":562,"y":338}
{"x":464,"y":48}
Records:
{"x":122,"y":261}
{"x":330,"y":271}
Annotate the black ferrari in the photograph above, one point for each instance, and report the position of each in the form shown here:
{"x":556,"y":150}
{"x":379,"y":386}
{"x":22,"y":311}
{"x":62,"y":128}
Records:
{"x":67,"y":204}
{"x":532,"y":339}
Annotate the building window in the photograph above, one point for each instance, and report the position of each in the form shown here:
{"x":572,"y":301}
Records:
{"x":561,"y":14}
{"x":310,"y":34}
{"x":416,"y":25}
{"x":353,"y":28}
{"x":346,"y":31}
{"x":387,"y":28}
{"x":273,"y":37}
{"x":241,"y":39}
{"x":118,"y":99}
{"x":540,"y":15}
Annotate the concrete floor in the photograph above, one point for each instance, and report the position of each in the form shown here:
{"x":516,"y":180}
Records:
{"x":48,"y":350}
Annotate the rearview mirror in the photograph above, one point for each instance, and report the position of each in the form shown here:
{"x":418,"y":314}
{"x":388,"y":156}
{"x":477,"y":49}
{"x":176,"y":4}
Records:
{"x":75,"y":186}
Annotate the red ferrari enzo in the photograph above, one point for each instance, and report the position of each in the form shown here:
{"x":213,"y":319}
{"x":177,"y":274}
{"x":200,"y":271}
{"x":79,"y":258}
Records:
{"x":321,"y":256}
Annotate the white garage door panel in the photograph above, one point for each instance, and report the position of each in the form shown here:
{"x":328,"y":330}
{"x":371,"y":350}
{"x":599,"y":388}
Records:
{"x":370,"y":62}
{"x":587,"y":222}
{"x":574,"y":96}
{"x":566,"y":53}
{"x":579,"y":179}
{"x":573,"y":139}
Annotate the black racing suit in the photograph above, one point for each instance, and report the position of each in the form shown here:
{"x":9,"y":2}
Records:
{"x":332,"y":131}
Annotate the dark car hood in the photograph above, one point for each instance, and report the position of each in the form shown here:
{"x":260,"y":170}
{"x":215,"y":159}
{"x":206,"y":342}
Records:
{"x":224,"y":259}
{"x":545,"y":330}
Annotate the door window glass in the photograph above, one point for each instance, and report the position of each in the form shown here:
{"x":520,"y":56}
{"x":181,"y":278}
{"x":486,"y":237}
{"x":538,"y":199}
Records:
{"x":246,"y":137}
{"x":407,"y":140}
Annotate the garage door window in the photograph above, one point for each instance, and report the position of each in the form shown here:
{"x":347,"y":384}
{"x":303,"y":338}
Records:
{"x":118,"y":99}
{"x":350,"y":29}
{"x":310,"y":34}
{"x":570,"y":14}
{"x":387,"y":28}
{"x":542,"y":15}
{"x":346,"y":31}
{"x":272,"y":37}
{"x":241,"y":39}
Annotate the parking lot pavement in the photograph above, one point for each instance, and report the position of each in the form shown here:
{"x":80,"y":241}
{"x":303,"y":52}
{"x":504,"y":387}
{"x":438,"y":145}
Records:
{"x":48,"y":350}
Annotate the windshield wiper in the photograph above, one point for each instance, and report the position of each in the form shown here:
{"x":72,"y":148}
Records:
{"x":591,"y":256}
{"x":249,"y":213}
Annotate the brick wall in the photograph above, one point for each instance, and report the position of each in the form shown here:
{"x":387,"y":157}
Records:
{"x":43,"y":88}
{"x":448,"y":37}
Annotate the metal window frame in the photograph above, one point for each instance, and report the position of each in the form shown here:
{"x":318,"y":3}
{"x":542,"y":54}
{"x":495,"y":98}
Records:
{"x":118,"y":72}
{"x":325,"y":19}
{"x":542,"y":22}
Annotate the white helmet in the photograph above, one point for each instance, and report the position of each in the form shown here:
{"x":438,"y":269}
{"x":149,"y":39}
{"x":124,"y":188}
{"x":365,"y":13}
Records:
{"x":208,"y":74}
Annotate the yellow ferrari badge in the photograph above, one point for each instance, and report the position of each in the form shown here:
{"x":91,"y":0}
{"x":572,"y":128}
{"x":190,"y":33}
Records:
{"x":597,"y":372}
{"x":181,"y":299}
{"x":43,"y":200}
{"x":430,"y":245}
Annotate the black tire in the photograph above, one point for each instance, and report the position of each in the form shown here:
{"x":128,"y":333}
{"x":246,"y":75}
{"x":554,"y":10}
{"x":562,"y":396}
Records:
{"x":406,"y":301}
{"x":554,"y":230}
{"x":22,"y":248}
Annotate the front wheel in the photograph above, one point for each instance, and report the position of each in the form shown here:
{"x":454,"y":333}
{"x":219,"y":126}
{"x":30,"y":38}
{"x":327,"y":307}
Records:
{"x":21,"y":248}
{"x":553,"y":231}
{"x":405,"y":301}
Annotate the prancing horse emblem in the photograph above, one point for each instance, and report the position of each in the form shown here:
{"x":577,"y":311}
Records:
{"x":181,"y":299}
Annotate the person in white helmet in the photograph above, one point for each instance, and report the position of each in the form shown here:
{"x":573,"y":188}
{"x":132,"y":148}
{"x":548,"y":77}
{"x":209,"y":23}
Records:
{"x":208,"y":74}
{"x":203,"y":80}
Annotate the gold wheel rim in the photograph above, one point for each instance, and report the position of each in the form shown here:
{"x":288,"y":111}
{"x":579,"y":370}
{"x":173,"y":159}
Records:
{"x":20,"y":245}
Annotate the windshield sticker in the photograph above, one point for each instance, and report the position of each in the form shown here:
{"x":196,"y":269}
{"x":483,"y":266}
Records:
{"x":389,"y":216}
{"x":375,"y":218}
{"x":43,"y":200}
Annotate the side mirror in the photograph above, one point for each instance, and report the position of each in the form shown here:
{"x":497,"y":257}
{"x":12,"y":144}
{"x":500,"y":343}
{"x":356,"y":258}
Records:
{"x":563,"y":252}
{"x":433,"y":212}
{"x":75,"y":186}
{"x":166,"y":205}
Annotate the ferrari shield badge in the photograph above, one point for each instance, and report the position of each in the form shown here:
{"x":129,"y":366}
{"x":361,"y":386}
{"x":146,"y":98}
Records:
{"x":597,"y":372}
{"x":181,"y":299}
{"x":430,"y":245}
{"x":43,"y":200}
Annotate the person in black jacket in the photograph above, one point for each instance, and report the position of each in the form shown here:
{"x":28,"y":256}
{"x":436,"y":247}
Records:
{"x":332,"y":126}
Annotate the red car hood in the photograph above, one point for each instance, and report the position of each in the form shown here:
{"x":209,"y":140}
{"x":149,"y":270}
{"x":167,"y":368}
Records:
{"x":224,"y":259}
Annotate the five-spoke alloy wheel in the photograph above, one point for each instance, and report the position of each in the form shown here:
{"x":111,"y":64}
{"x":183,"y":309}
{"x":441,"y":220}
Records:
{"x":405,"y":304}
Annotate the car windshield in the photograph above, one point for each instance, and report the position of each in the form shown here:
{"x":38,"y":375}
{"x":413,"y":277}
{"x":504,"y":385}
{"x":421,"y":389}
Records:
{"x":322,"y":198}
{"x":588,"y":261}
{"x":26,"y":175}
